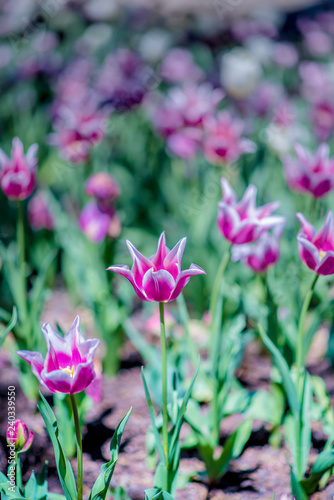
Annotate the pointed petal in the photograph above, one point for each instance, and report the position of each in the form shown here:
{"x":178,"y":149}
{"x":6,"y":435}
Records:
{"x":324,"y":240}
{"x":308,"y":252}
{"x":247,"y":204}
{"x":140,"y":264}
{"x":57,"y":381}
{"x":158,"y":258}
{"x":127,"y":273}
{"x":183,"y":278}
{"x":172,"y":262}
{"x":229,"y":195}
{"x":228,"y":220}
{"x":158,"y":285}
{"x":84,"y":376}
{"x":307,"y":227}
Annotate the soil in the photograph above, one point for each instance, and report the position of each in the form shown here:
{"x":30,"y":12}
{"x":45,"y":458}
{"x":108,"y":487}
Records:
{"x":260,"y":471}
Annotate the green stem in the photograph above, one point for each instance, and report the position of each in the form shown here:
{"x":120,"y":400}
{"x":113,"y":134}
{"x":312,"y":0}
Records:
{"x":164,"y":391}
{"x":21,"y":247}
{"x":216,"y":342}
{"x":299,"y":354}
{"x":216,"y":287}
{"x":19,"y":483}
{"x":79,"y":444}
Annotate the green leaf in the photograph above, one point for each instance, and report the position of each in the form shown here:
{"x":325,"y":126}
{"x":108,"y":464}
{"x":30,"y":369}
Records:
{"x":9,"y":327}
{"x":297,"y":489}
{"x":156,"y":494}
{"x":152,"y":417}
{"x":101,"y":485}
{"x":305,"y":430}
{"x":323,"y":463}
{"x":64,"y":468}
{"x":177,"y":428}
{"x":288,"y":384}
{"x":37,"y":486}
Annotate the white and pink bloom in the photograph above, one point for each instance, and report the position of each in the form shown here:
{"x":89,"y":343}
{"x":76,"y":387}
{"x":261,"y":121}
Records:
{"x":223,"y":142}
{"x":68,"y":366}
{"x":39,"y":215}
{"x":159,"y":278}
{"x":316,"y":249}
{"x":262,"y":254}
{"x":243,"y":222}
{"x":310,"y":173}
{"x":18,"y":172}
{"x":19,"y":436}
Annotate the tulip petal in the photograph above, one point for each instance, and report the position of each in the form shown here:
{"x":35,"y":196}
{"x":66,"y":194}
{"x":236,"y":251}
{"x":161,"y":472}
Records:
{"x":59,"y":351}
{"x":57,"y":381}
{"x":307,"y":228}
{"x":158,"y":285}
{"x":35,"y":359}
{"x":229,"y":195}
{"x":28,"y":443}
{"x":324,"y":240}
{"x":228,"y":219}
{"x":326,"y":266}
{"x":172,"y":262}
{"x":308,"y":252}
{"x":84,"y":376}
{"x":140,"y":264}
{"x":158,"y":258}
{"x":127,"y":273}
{"x":183,"y":278}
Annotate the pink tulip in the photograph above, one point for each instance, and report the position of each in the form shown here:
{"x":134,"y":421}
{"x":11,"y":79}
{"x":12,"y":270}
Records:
{"x":97,"y":221}
{"x":263,"y":253}
{"x":322,"y":118}
{"x":102,"y":186}
{"x":159,"y":278}
{"x":39,"y":214}
{"x":317,"y":249}
{"x":19,"y":436}
{"x":18,"y":173}
{"x":68,"y":366}
{"x":310,"y":173}
{"x":178,"y":66}
{"x":242,"y":222}
{"x":223,"y":143}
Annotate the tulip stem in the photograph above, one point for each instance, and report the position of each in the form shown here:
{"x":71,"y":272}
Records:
{"x":21,"y":247}
{"x":216,"y":286}
{"x":79,"y":444}
{"x":19,"y":483}
{"x":164,"y":391}
{"x":299,"y":354}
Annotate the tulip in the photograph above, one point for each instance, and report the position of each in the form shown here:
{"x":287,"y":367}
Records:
{"x":179,"y":67}
{"x":18,"y":173}
{"x":263,"y":253}
{"x":310,"y":173}
{"x":39,"y":214}
{"x":68,"y":366}
{"x":98,"y":220}
{"x":159,"y":278}
{"x":103,"y":186}
{"x":19,"y":436}
{"x":317,"y":249}
{"x":240,"y":73}
{"x":223,"y":143}
{"x":242,"y":222}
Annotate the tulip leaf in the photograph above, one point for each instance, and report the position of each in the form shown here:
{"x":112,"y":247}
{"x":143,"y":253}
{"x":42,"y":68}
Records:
{"x":305,"y":426}
{"x":288,"y":384}
{"x":323,"y":463}
{"x":37,"y":485}
{"x":9,"y":327}
{"x":65,"y":472}
{"x":152,"y":416}
{"x":181,"y":413}
{"x":101,"y":485}
{"x":156,"y":494}
{"x":296,"y":488}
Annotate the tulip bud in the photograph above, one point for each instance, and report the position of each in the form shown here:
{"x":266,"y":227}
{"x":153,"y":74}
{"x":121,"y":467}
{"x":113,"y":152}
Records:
{"x":19,"y":436}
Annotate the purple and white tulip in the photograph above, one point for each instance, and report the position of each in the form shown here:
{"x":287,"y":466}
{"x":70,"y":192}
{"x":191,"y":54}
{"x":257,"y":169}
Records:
{"x":19,"y":436}
{"x":243,"y":222}
{"x":68,"y":366}
{"x":317,"y":249}
{"x":159,"y":278}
